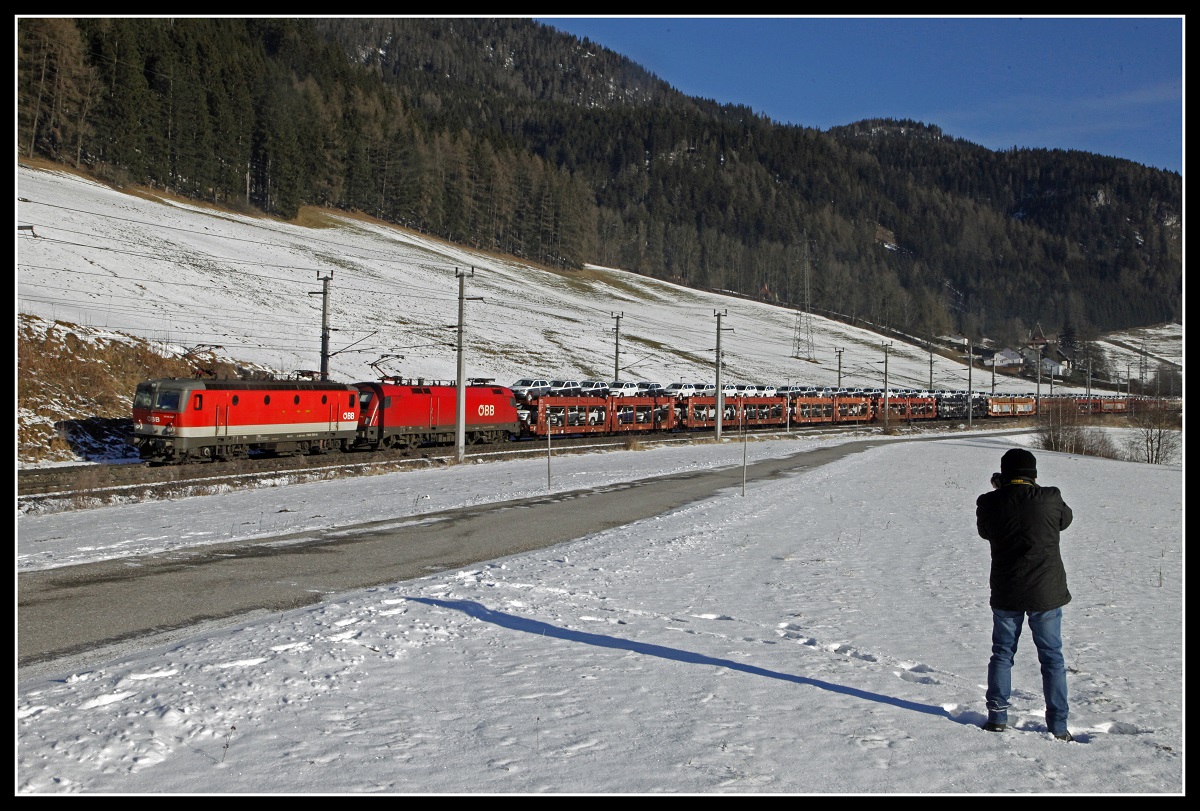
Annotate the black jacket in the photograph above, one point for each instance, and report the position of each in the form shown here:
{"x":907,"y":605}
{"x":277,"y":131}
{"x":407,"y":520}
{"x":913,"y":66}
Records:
{"x":1022,"y":522}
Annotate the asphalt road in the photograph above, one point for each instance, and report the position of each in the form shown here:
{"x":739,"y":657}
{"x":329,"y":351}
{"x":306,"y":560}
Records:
{"x":76,"y":614}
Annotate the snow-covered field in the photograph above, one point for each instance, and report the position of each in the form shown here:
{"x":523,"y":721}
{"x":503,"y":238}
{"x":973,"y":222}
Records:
{"x":824,"y":633}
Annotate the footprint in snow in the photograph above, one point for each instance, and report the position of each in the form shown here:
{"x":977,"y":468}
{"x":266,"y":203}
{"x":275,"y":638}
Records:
{"x":917,"y":673}
{"x":848,"y":650}
{"x":789,"y":630}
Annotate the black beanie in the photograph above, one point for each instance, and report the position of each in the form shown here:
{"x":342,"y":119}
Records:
{"x":1018,"y":463}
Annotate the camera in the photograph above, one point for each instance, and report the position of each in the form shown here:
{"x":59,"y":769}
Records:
{"x":997,"y":480}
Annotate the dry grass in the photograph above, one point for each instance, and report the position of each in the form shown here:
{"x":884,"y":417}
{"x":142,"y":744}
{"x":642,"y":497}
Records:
{"x":75,"y":389}
{"x":119,"y":179}
{"x":310,"y":217}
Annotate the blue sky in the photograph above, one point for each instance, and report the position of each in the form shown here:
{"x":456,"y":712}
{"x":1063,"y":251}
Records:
{"x":1108,"y":85}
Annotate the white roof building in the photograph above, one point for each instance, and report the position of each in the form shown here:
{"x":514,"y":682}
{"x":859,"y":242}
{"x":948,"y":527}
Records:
{"x":1005,"y":357}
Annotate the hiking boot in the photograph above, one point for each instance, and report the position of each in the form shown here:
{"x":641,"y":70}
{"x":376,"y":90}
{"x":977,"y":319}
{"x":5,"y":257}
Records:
{"x":994,"y":727}
{"x":1066,"y":736}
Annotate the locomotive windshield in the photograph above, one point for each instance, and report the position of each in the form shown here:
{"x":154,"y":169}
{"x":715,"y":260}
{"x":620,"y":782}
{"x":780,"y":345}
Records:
{"x":149,"y":396}
{"x":167,"y":401}
{"x":144,"y":396}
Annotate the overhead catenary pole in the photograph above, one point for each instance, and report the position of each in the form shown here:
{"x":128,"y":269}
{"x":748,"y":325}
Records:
{"x":460,"y":420}
{"x":931,"y":365}
{"x":970,"y":393}
{"x":886,"y":399}
{"x":839,"y":354}
{"x":720,"y":390}
{"x":324,"y":294}
{"x":1143,"y":368}
{"x":788,"y":408}
{"x":1038,"y":395}
{"x":617,"y":349}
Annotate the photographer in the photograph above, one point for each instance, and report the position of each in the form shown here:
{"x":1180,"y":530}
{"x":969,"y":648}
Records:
{"x":1022,"y":521}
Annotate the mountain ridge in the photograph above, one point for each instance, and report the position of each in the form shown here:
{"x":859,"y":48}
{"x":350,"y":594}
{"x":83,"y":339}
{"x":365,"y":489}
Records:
{"x":505,"y":135}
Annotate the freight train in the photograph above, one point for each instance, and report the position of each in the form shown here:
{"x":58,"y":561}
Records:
{"x":180,"y":420}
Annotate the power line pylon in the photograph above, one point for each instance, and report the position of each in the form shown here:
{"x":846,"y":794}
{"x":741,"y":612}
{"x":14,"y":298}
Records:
{"x":802,"y":341}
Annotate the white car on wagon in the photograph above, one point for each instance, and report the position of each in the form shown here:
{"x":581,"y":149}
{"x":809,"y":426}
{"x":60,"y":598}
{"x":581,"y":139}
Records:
{"x":681,"y":390}
{"x":623,"y":388}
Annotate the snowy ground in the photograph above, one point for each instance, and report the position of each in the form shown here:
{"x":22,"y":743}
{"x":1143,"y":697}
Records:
{"x":824,"y":633}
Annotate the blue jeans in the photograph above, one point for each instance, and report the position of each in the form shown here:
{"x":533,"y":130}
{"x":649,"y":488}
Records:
{"x":1046,"y":627}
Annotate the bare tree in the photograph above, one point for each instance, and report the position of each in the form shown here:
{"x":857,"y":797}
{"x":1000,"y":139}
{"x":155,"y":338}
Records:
{"x":1063,"y":427}
{"x":1157,"y":437}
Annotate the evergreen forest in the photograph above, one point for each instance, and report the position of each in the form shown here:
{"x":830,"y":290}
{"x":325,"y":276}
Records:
{"x":506,"y":135}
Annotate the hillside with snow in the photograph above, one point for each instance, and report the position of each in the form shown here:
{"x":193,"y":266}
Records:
{"x":192,"y":279}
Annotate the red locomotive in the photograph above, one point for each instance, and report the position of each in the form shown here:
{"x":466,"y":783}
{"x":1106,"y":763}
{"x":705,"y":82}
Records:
{"x":178,"y":420}
{"x":397,"y":415}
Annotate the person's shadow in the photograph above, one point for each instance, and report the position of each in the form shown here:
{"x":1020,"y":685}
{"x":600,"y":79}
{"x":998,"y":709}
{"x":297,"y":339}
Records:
{"x":479,"y":612}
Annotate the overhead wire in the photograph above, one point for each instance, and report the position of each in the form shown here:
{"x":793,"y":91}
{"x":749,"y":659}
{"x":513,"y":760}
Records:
{"x":495,"y":299}
{"x":408,"y":288}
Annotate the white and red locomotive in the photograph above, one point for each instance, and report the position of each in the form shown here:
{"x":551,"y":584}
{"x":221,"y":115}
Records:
{"x":177,"y":420}
{"x":181,"y":420}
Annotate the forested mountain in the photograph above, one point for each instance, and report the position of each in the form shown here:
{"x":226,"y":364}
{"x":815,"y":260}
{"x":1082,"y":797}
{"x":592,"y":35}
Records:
{"x":506,"y":135}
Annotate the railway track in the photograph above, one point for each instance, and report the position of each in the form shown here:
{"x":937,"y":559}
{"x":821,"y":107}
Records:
{"x":80,"y":486}
{"x":58,"y":489}
{"x":83,"y":486}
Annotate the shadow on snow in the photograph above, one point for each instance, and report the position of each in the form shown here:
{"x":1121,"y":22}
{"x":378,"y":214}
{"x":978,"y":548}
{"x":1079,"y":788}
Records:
{"x":479,"y":612}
